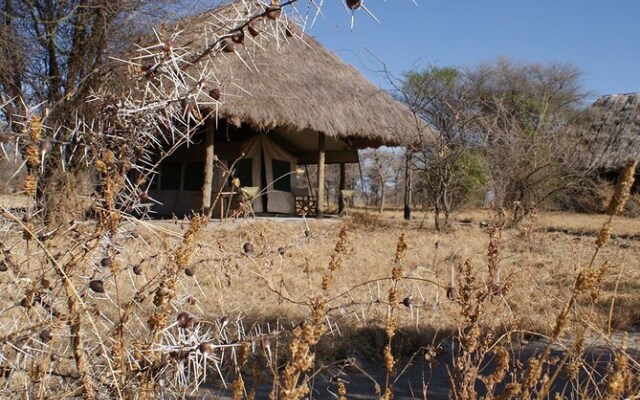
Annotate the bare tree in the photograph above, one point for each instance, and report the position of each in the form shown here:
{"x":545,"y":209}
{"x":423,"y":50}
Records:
{"x":55,"y":54}
{"x":60,"y":49}
{"x":506,"y":124}
{"x":527,"y":113}
{"x":381,"y":168}
{"x":444,"y":157}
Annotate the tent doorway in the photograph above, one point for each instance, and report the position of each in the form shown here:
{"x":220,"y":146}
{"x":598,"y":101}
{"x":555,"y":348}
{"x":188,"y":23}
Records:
{"x":271,"y":170}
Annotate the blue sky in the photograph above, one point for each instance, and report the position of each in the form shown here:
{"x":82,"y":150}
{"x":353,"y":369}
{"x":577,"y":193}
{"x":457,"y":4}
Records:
{"x":601,"y":38}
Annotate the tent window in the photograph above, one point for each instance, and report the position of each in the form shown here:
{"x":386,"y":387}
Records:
{"x":194,"y":176}
{"x":280,"y":169}
{"x":244,"y":171}
{"x":170,"y":174}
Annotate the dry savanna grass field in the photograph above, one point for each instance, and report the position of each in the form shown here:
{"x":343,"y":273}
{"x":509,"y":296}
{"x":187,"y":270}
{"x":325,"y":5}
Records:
{"x":366,"y":306}
{"x":539,"y":260}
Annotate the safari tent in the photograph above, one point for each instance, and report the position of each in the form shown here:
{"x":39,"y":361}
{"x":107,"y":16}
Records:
{"x":284,"y":102}
{"x":257,"y":162}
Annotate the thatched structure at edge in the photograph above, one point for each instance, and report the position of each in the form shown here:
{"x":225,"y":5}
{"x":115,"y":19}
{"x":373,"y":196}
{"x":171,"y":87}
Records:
{"x":296,"y":84}
{"x":613,"y":137}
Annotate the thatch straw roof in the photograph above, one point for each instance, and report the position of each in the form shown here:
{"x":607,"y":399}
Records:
{"x":297,"y":84}
{"x":614,"y":135}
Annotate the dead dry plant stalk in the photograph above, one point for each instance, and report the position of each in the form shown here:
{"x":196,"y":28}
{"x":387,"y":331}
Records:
{"x":469,"y":338}
{"x":620,"y":377}
{"x":78,"y":313}
{"x":480,"y":300}
{"x":294,"y":385}
{"x":113,"y":178}
{"x":392,"y":319}
{"x":238,"y":388}
{"x":623,"y":188}
{"x":532,"y":377}
{"x":587,"y":280}
{"x":307,"y":335}
{"x":336,"y":258}
{"x":74,"y":321}
{"x":502,"y":368}
{"x":164,"y":294}
{"x":342,"y":391}
{"x":32,"y":155}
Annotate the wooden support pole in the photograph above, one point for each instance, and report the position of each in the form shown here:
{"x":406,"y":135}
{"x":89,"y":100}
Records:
{"x":343,"y":175}
{"x":321,"y":158}
{"x":207,"y":187}
{"x":407,"y":186}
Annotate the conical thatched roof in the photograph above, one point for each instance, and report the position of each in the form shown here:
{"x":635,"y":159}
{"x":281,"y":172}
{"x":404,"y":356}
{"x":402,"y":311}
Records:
{"x":614,"y":134}
{"x":293,"y":82}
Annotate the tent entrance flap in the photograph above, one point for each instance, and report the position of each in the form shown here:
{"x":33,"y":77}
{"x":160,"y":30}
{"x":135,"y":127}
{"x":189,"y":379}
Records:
{"x":271,"y":171}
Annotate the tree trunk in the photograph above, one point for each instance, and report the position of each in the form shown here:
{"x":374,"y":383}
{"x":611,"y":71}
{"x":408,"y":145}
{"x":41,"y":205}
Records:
{"x":407,"y":189}
{"x":446,"y":206}
{"x":436,"y":215}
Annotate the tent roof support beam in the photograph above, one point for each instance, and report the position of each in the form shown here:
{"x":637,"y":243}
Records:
{"x":321,"y":162}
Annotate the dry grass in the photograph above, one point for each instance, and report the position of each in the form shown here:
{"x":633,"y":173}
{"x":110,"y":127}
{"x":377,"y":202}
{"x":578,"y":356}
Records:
{"x":579,"y":224}
{"x":271,"y":287}
{"x":539,"y":262}
{"x":11,"y":201}
{"x":264,"y":286}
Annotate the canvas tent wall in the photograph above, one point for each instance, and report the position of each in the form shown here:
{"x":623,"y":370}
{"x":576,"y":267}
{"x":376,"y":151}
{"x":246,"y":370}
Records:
{"x":271,"y":171}
{"x":177,"y":188}
{"x":264,"y":164}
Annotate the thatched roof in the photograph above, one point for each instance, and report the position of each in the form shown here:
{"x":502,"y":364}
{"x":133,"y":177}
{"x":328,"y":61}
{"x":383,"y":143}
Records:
{"x":614,"y":135}
{"x":297,"y":84}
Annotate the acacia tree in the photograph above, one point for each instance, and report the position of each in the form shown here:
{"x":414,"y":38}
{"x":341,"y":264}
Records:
{"x":527,"y":113}
{"x":443,"y":157}
{"x":511,"y":123}
{"x":117,"y":354}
